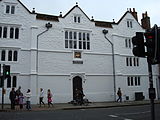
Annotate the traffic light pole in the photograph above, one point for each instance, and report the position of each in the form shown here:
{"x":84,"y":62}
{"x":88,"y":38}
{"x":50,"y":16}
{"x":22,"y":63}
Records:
{"x":151,"y":89}
{"x":3,"y":77}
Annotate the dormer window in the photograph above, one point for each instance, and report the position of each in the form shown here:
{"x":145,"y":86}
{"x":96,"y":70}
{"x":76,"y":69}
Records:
{"x":129,"y":24}
{"x":77,"y":19}
{"x":10,"y":9}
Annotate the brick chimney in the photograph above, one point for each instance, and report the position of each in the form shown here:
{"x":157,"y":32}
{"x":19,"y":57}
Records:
{"x":134,"y":13}
{"x":145,"y":21}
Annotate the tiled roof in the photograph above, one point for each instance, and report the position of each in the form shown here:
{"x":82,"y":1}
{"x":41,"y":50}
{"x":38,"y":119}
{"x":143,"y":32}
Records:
{"x":47,"y":17}
{"x":103,"y":24}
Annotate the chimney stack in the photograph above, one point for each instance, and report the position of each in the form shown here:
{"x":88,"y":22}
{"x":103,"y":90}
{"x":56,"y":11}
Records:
{"x":145,"y":21}
{"x":134,"y":13}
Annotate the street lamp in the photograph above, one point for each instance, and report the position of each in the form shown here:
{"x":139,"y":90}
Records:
{"x":114,"y":77}
{"x":48,"y":26}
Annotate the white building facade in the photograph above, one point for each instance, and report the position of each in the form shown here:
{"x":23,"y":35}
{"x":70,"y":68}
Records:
{"x":63,"y":53}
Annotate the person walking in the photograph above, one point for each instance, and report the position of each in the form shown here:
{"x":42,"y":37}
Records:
{"x":119,"y":93}
{"x":28,"y":99}
{"x":21,"y":97}
{"x":12,"y":97}
{"x":18,"y":92}
{"x":49,"y":96}
{"x":41,"y":96}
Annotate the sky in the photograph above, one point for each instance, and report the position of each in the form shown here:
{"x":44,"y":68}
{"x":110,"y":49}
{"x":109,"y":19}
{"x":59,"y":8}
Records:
{"x":102,"y":10}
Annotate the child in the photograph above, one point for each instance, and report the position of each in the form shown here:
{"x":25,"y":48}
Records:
{"x":21,"y":97}
{"x":49,"y":96}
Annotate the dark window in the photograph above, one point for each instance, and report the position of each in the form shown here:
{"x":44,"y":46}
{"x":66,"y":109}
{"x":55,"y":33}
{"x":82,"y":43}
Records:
{"x":75,"y":44}
{"x":9,"y":82}
{"x":70,"y":44}
{"x":66,"y":35}
{"x":80,"y":37}
{"x":127,"y":61}
{"x":75,"y":19}
{"x":88,"y":37}
{"x":14,"y":82}
{"x":80,"y":44}
{"x":84,"y":36}
{"x":79,"y":19}
{"x":5,"y":32}
{"x":136,"y":81}
{"x":128,"y":81}
{"x":16,"y":33}
{"x":11,"y":32}
{"x":10,"y":55}
{"x":7,"y":9}
{"x":75,"y":35}
{"x":130,"y":61}
{"x":12,"y":9}
{"x":70,"y":35}
{"x":66,"y":43}
{"x":84,"y":45}
{"x":131,"y":24}
{"x":0,"y":32}
{"x":139,"y":83}
{"x":127,"y":23}
{"x":137,"y":61}
{"x":3,"y":55}
{"x":88,"y":45}
{"x":134,"y":61}
{"x":15,"y":56}
{"x":131,"y":81}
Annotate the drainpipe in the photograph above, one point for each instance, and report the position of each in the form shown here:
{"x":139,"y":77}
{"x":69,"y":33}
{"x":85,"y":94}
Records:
{"x":48,"y":25}
{"x":113,"y":62}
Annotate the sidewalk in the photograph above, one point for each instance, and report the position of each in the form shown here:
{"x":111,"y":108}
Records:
{"x":66,"y":106}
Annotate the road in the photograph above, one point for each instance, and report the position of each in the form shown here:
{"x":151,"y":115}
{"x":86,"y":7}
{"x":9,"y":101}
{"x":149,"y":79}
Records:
{"x":115,"y":113}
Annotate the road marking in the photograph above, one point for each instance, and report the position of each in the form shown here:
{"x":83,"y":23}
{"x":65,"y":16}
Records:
{"x":134,"y":113}
{"x":127,"y":119}
{"x":114,"y":116}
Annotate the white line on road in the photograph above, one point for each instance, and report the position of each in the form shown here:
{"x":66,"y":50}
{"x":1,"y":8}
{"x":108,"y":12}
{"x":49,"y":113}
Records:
{"x":114,"y":116}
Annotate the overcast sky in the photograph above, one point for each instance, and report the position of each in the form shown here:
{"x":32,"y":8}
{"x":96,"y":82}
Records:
{"x":103,"y":10}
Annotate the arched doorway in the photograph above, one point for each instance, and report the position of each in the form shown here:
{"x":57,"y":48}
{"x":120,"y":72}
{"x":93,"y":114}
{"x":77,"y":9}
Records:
{"x":77,"y":84}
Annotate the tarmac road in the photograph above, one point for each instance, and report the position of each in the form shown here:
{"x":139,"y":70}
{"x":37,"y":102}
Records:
{"x":114,"y":113}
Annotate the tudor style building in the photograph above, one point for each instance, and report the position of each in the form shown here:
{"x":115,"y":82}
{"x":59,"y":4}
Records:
{"x":63,"y":53}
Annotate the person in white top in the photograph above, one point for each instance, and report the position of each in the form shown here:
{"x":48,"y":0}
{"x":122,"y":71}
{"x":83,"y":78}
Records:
{"x":41,"y":96}
{"x":28,"y":99}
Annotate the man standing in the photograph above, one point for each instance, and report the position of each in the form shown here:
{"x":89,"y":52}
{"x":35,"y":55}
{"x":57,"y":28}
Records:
{"x":119,"y":93}
{"x":12,"y":97}
{"x":41,"y":96}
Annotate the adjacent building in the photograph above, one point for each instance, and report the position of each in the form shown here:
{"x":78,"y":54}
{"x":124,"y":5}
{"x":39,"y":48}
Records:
{"x":72,"y":51}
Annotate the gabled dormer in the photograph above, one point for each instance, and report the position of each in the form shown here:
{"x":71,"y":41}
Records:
{"x":76,"y":16}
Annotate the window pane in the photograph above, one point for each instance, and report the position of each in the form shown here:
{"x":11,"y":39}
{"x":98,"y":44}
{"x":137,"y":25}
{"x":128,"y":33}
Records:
{"x":0,"y":32}
{"x":84,"y":45}
{"x":9,"y":82}
{"x":139,"y":83}
{"x":131,"y":81}
{"x":11,"y":32}
{"x":136,"y":81}
{"x":66,"y":43}
{"x":75,"y":19}
{"x":5,"y":32}
{"x":128,"y":81}
{"x":80,"y":44}
{"x":70,"y":44}
{"x":14,"y":82}
{"x":15,"y":56}
{"x":17,"y":33}
{"x":84,"y":36}
{"x":130,"y":61}
{"x":137,"y":61}
{"x":126,"y":42}
{"x":79,"y":20}
{"x":127,"y":61}
{"x":127,"y":23}
{"x":88,"y":37}
{"x":3,"y":55}
{"x":10,"y":55}
{"x":7,"y":9}
{"x":66,"y":35}
{"x":70,"y":35}
{"x":75,"y":35}
{"x":134,"y":60}
{"x":75,"y":44}
{"x":129,"y":43}
{"x":77,"y":55}
{"x":12,"y":9}
{"x":88,"y":45}
{"x":80,"y":37}
{"x":131,"y":24}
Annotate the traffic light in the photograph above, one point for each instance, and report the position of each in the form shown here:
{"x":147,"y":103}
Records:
{"x":138,"y":45}
{"x":6,"y":71}
{"x":153,"y":44}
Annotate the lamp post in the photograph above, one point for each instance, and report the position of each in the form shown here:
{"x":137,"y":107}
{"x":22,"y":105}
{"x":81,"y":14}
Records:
{"x":113,"y":61}
{"x":48,"y":26}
